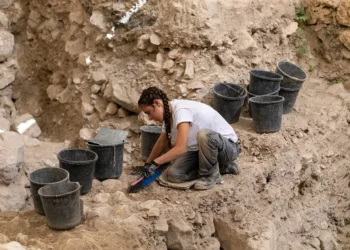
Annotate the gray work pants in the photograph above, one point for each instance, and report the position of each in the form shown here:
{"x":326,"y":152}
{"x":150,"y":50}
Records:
{"x":213,"y":150}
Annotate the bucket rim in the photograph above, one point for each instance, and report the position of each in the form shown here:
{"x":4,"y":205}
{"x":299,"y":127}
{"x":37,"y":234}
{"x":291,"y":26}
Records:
{"x":151,"y":132}
{"x":49,"y":183}
{"x":291,"y":90}
{"x":280,"y":99}
{"x":76,"y":162}
{"x":231,"y":98}
{"x":59,"y":195}
{"x":280,"y":78}
{"x":269,"y":94}
{"x":104,"y":146}
{"x":285,"y":74}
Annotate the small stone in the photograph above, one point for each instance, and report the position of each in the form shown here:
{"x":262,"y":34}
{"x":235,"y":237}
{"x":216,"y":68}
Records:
{"x":13,"y":245}
{"x":155,"y":40}
{"x":180,"y":235}
{"x":112,"y":185}
{"x":161,"y":226}
{"x":134,"y":220}
{"x":315,"y":243}
{"x":330,"y":153}
{"x":112,"y":108}
{"x":95,"y":89}
{"x":122,"y":112}
{"x":324,"y":225}
{"x":87,"y":108}
{"x":22,"y":238}
{"x":86,"y":134}
{"x":168,"y":64}
{"x":189,"y":71}
{"x":346,"y":53}
{"x":97,"y":19}
{"x":3,"y":239}
{"x":327,"y":240}
{"x":143,"y":42}
{"x":173,"y":54}
{"x":198,"y":219}
{"x":102,"y":198}
{"x":182,"y":89}
{"x":296,"y":246}
{"x":153,"y":66}
{"x":99,"y":77}
{"x":7,"y":44}
{"x":195,"y":85}
{"x":4,"y":125}
{"x":4,"y":22}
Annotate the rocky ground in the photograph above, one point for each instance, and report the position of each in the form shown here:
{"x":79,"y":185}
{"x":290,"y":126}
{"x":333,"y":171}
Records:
{"x":68,"y":68}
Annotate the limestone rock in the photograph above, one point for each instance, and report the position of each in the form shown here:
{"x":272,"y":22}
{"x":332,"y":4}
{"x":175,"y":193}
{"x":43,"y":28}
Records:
{"x":22,"y":238}
{"x":122,"y":113}
{"x":11,"y":155}
{"x":173,"y":54}
{"x":75,"y":47}
{"x":346,"y":53}
{"x":189,"y":71}
{"x":13,"y":196}
{"x":13,"y":245}
{"x":155,"y":40}
{"x":4,"y":125}
{"x":180,"y":235}
{"x":87,"y":108}
{"x":95,"y":89}
{"x":296,"y":246}
{"x":143,"y":119}
{"x":290,"y":29}
{"x":6,"y":3}
{"x":101,"y":211}
{"x":210,"y":244}
{"x":86,"y":134}
{"x":168,"y":64}
{"x":7,"y":43}
{"x":27,"y":125}
{"x":7,"y":75}
{"x":345,"y":38}
{"x":102,"y":198}
{"x":182,"y":89}
{"x":245,"y":43}
{"x":99,"y":77}
{"x":97,"y":19}
{"x":195,"y":85}
{"x":143,"y":42}
{"x":3,"y":238}
{"x":161,"y":226}
{"x":343,"y":14}
{"x":225,"y":57}
{"x":327,"y":240}
{"x":112,"y":108}
{"x":4,"y":22}
{"x":151,"y":207}
{"x":112,"y":185}
{"x":77,"y":17}
{"x":153,"y":66}
{"x":126,"y":96}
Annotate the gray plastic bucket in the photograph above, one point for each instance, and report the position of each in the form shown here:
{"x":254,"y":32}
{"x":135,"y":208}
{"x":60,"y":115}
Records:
{"x":267,"y":113}
{"x":149,"y":137}
{"x":252,"y":95}
{"x":228,"y":100}
{"x":80,"y":163}
{"x":290,"y":97}
{"x":263,"y":82}
{"x":42,"y":177}
{"x":61,"y":204}
{"x":110,"y":161}
{"x":293,"y":76}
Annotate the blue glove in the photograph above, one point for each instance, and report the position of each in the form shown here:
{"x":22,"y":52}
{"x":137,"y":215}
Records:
{"x":148,"y":169}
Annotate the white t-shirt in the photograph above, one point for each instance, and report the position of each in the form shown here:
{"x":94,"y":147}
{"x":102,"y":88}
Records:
{"x":200,"y":116}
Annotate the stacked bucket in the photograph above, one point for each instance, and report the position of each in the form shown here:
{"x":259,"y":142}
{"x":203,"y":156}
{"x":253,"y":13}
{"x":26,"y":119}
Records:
{"x":270,"y":94}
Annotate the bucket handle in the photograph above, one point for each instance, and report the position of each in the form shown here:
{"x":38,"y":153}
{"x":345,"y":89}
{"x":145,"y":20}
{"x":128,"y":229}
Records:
{"x":241,"y":93}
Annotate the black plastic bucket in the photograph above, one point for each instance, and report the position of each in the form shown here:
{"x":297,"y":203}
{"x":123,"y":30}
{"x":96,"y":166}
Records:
{"x":61,"y":205}
{"x":267,"y":113}
{"x":228,"y":100}
{"x":290,"y":97}
{"x":80,"y":163}
{"x":264,"y":82}
{"x":110,"y":161}
{"x":252,"y":95}
{"x":293,"y":76}
{"x":149,"y":137}
{"x":43,"y":177}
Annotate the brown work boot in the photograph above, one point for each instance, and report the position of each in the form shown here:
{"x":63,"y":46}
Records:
{"x":208,"y":182}
{"x":231,"y":168}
